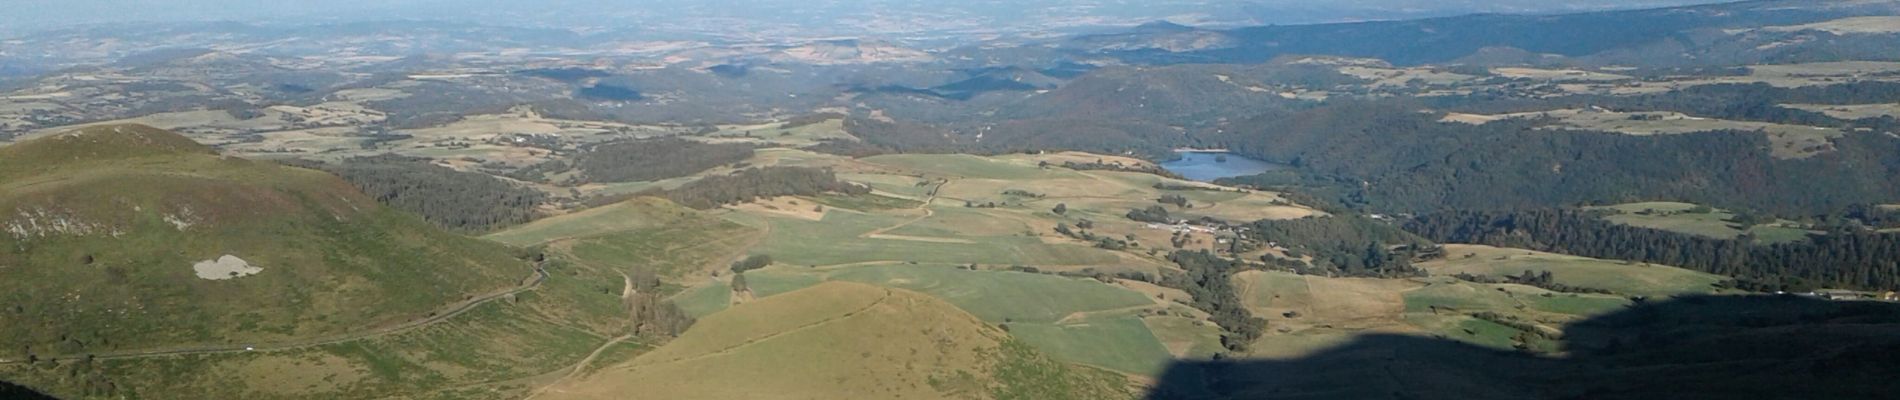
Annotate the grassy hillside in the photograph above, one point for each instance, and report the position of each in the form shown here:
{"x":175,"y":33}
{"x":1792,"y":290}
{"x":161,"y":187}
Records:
{"x":992,"y":210}
{"x":1620,"y":277}
{"x":657,"y":235}
{"x":501,"y":349}
{"x":1071,"y":319}
{"x":799,"y":345}
{"x":92,"y":145}
{"x":1696,"y":220}
{"x":951,"y":225}
{"x":1311,"y":314}
{"x":129,"y":238}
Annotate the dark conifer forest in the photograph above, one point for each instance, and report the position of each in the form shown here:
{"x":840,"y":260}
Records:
{"x":656,"y":159}
{"x":454,"y":199}
{"x":1856,"y":259}
{"x":1378,"y":157}
{"x":756,"y":183}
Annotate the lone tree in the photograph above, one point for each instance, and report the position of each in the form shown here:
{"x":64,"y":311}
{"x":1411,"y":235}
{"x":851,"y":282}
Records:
{"x":1061,"y":209}
{"x":739,"y":284}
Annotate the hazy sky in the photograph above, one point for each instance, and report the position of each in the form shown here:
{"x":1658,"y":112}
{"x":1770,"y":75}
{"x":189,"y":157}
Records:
{"x":19,"y":15}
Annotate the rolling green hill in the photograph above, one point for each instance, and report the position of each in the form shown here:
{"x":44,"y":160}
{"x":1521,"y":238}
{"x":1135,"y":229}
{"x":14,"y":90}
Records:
{"x":129,"y":239}
{"x":845,"y":340}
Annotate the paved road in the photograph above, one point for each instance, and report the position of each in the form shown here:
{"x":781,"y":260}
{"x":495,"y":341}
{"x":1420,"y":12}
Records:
{"x":540,"y":276}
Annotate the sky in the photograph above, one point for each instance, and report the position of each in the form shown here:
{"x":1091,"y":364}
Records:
{"x":27,"y":15}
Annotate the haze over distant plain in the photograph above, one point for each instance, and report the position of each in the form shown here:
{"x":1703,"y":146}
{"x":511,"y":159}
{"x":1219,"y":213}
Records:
{"x":31,"y":15}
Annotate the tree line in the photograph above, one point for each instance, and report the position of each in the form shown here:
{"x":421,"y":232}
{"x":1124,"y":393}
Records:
{"x":756,"y":183}
{"x":1209,"y":280}
{"x":1849,"y":259}
{"x":654,"y":316}
{"x":655,"y":159}
{"x":1343,"y":245}
{"x":1545,"y":280}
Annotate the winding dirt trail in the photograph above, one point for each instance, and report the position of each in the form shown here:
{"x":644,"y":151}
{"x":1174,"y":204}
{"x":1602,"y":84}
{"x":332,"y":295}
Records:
{"x":884,"y":233}
{"x":579,"y":368}
{"x":1078,"y":316}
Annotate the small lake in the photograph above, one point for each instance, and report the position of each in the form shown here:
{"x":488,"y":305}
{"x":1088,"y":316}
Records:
{"x":1207,"y":166}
